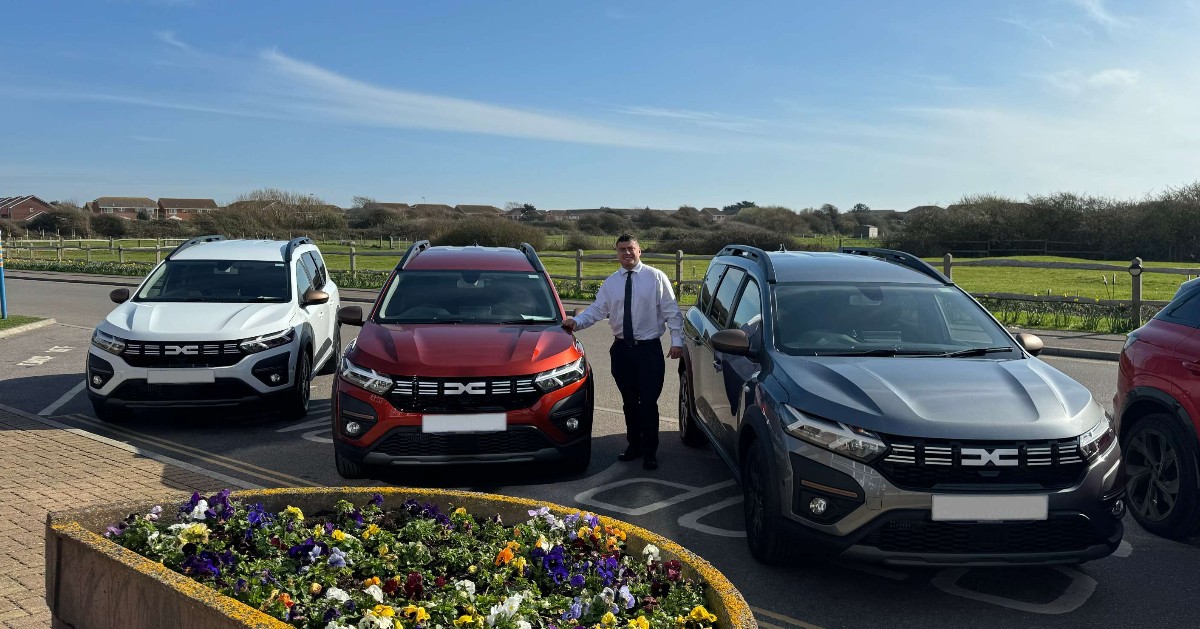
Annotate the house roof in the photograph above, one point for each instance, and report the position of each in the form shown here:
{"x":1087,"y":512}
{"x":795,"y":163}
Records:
{"x":433,"y":206}
{"x":395,"y":206}
{"x":10,"y":202}
{"x":478,"y":209}
{"x":134,"y":202}
{"x":187,"y":204}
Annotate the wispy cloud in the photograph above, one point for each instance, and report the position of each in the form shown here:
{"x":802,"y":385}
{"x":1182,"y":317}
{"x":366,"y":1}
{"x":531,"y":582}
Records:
{"x":1097,"y":12}
{"x":712,"y":120}
{"x":1028,"y":28}
{"x":169,"y":38}
{"x":1075,"y":82}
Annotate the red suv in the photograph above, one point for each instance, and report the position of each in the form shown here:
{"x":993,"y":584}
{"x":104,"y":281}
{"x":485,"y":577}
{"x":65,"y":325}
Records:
{"x":1158,"y":403}
{"x":462,"y":360}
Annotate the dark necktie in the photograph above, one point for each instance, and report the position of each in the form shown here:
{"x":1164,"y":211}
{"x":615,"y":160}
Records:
{"x":627,"y":322}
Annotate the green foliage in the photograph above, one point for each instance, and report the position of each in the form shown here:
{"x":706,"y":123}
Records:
{"x":109,"y":225}
{"x":490,"y":232}
{"x":711,"y":241}
{"x":62,"y":220}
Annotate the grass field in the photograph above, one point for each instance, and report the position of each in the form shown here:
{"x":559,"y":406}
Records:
{"x":16,"y":320}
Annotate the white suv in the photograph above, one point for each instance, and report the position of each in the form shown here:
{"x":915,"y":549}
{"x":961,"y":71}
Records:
{"x":219,"y":323}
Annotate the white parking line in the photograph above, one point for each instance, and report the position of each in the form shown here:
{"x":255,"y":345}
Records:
{"x":66,"y":397}
{"x":312,"y":423}
{"x":692,"y":520}
{"x":1081,"y":589}
{"x":586,"y":496}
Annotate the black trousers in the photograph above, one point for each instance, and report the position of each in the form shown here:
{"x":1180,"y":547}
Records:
{"x":639,"y":371}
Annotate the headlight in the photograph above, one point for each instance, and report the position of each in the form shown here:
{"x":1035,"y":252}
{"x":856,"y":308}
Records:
{"x":364,"y":378}
{"x":108,"y":343}
{"x":560,"y":377}
{"x":1098,"y":439}
{"x":843,"y":439}
{"x":268,"y":341}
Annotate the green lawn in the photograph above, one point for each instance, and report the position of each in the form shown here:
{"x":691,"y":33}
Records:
{"x":16,"y":320}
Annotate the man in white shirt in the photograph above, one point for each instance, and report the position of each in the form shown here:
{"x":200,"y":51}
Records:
{"x":640,"y":305}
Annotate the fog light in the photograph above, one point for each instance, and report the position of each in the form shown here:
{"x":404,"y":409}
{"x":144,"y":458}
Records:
{"x":353,"y":428}
{"x":275,"y":378}
{"x":97,"y":381}
{"x":1118,"y":509}
{"x":572,"y":424}
{"x":818,"y":506}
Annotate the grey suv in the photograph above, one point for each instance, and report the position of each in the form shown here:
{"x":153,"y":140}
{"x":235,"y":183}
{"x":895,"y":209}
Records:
{"x":872,"y":409}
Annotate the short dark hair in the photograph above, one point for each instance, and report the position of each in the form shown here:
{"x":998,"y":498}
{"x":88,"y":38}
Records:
{"x":626,"y":237}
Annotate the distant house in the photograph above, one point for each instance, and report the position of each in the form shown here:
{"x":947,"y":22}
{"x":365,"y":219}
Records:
{"x":125,"y":207}
{"x":432,"y":209}
{"x":479,"y":210}
{"x":515,"y":214}
{"x":713,"y":214}
{"x":185,"y":209}
{"x":866,"y":231}
{"x":22,"y":208}
{"x":396,"y":207}
{"x":731,"y":212}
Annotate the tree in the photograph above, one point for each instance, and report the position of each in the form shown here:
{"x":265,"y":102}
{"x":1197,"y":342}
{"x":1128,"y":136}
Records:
{"x":860,"y":208}
{"x":362,"y":202}
{"x":524,"y":207}
{"x":741,"y":205}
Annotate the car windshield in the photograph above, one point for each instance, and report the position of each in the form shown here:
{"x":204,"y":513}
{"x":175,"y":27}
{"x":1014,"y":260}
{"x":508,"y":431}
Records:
{"x":468,"y":297}
{"x":884,"y":320}
{"x":232,"y":281}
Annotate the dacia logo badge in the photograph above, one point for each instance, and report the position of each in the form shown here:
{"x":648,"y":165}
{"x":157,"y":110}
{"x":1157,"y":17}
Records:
{"x":176,"y":350}
{"x":470,"y":388}
{"x":998,"y":457}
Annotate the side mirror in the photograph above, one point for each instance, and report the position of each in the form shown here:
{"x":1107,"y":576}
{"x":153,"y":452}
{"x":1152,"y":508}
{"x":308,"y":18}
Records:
{"x":1030,"y":342}
{"x":350,"y":315}
{"x":119,"y":296}
{"x":731,"y":342}
{"x":314,"y":297}
{"x":578,"y":311}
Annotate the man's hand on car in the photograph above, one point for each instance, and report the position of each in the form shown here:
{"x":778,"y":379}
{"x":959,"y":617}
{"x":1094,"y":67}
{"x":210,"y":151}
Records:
{"x":569,"y":324}
{"x":676,"y":352}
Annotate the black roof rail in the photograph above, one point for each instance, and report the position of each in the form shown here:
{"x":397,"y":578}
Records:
{"x":901,"y":258}
{"x":195,"y":241}
{"x":413,"y":250}
{"x":531,"y":255}
{"x":292,"y":244}
{"x":759,"y":256}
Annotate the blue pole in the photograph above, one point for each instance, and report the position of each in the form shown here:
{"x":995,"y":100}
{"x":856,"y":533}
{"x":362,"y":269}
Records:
{"x":3,"y":295}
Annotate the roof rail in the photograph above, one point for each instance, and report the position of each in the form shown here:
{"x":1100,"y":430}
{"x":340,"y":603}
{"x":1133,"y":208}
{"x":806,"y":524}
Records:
{"x":413,"y":250}
{"x":195,"y":241}
{"x":292,"y":244}
{"x":901,"y":258}
{"x":531,"y":255}
{"x":752,"y":253}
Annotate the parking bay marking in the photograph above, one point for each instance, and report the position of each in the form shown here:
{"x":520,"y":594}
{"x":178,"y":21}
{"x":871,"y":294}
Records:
{"x":586,"y":497}
{"x":1081,"y":589}
{"x":780,"y":617}
{"x":66,"y":397}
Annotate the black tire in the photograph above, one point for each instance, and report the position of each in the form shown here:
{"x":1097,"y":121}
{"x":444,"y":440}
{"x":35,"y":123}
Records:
{"x":296,"y":406}
{"x":106,"y":413}
{"x":346,"y":468}
{"x":689,"y":432}
{"x":760,"y":505}
{"x":578,"y":458}
{"x":335,"y":359}
{"x":1160,"y":460}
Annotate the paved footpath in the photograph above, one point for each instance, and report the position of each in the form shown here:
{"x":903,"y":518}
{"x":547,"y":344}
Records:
{"x":47,"y":467}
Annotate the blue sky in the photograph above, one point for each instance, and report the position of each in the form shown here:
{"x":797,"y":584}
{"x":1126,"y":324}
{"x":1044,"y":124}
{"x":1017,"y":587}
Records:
{"x":586,"y":104}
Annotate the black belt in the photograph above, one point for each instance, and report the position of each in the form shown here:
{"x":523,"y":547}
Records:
{"x":618,"y":339}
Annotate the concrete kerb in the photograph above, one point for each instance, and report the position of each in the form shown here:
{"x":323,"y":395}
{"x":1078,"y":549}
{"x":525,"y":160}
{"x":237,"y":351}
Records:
{"x":91,"y":579}
{"x":28,"y":327}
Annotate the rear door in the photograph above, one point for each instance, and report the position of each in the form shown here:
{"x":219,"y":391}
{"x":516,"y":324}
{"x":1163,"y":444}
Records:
{"x":731,"y":371}
{"x":1179,"y":325}
{"x":323,"y":315}
{"x":711,"y":395}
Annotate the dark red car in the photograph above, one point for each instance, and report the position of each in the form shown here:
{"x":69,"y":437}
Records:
{"x":1158,"y":404}
{"x":462,"y":360}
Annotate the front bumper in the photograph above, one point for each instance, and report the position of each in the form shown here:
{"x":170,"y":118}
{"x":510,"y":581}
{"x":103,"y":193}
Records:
{"x":871,"y":519}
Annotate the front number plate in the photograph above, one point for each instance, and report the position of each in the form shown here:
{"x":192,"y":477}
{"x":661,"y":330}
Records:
{"x":478,"y":422}
{"x":991,"y":508}
{"x":180,"y":376}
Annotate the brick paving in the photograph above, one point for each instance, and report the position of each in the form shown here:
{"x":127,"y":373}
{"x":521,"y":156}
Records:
{"x":46,"y":468}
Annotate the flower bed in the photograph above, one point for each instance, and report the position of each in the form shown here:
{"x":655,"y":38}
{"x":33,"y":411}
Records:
{"x":416,"y":559}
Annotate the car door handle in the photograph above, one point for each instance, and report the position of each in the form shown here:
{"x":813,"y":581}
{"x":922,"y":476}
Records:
{"x":1191,"y":366}
{"x":718,"y":365}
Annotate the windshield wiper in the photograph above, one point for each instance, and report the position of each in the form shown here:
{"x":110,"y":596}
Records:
{"x":974,"y":351}
{"x":879,"y":352}
{"x":525,"y":321}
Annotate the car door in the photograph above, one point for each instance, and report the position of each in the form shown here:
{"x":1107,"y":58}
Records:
{"x":318,"y":314}
{"x":711,"y":393}
{"x":1183,"y":369}
{"x":731,"y":372}
{"x":695,"y":326}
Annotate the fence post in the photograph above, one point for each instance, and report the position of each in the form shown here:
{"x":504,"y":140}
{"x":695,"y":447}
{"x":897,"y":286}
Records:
{"x":58,"y":250}
{"x":110,"y":243}
{"x":87,"y":253}
{"x":948,"y":266}
{"x":678,"y":273}
{"x":1135,"y":270}
{"x":157,"y":254}
{"x":121,"y":254}
{"x":353,"y":264}
{"x":381,"y":242}
{"x":391,"y":242}
{"x":579,"y":271}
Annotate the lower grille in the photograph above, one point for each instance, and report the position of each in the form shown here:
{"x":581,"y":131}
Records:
{"x":415,"y":443}
{"x":1047,"y":536}
{"x":182,"y":354}
{"x":222,"y":389}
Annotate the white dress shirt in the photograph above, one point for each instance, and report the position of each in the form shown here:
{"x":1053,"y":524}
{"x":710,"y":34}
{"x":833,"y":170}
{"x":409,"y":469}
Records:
{"x":654,"y":306}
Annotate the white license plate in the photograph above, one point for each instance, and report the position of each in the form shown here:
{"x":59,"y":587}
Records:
{"x":478,"y":422}
{"x":180,"y":376}
{"x":994,"y":508}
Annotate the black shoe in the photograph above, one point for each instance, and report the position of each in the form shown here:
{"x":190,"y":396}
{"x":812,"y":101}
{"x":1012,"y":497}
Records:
{"x":629,"y":455}
{"x":650,"y":463}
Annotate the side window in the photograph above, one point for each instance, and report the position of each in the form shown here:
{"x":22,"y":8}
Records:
{"x":303,"y":281}
{"x":310,"y":265}
{"x":321,"y":270}
{"x":723,"y":300}
{"x":1187,"y":312}
{"x":709,"y":287}
{"x":749,"y":308}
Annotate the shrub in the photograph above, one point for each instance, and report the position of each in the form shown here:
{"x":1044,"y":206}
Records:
{"x":11,"y":229}
{"x":109,"y":225}
{"x":490,"y":232}
{"x":709,"y":242}
{"x":577,"y":241}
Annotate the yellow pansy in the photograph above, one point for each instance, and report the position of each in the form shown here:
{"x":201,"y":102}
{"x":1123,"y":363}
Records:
{"x":338,"y":535}
{"x":471,"y":569}
{"x":383,"y":611}
{"x":699,"y":614}
{"x":372,"y":581}
{"x":416,"y":613}
{"x":194,"y":534}
{"x":465,"y":619}
{"x":373,"y":529}
{"x":314,"y":589}
{"x":460,"y":511}
{"x":608,"y":620}
{"x":639,"y":623}
{"x":295,"y":512}
{"x":519,"y":563}
{"x":383,"y":550}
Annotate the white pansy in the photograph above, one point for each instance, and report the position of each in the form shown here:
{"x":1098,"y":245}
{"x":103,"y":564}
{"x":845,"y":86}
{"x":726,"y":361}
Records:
{"x":338,"y":595}
{"x":375,"y":593}
{"x":198,"y":512}
{"x":650,"y":552}
{"x":521,"y":624}
{"x":333,"y":624}
{"x":371,"y":621}
{"x":466,"y":587}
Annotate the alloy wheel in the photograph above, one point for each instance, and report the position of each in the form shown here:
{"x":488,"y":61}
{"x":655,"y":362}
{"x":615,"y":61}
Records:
{"x":1152,"y":463}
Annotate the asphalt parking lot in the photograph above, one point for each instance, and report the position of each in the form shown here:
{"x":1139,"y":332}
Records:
{"x":692,"y":498}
